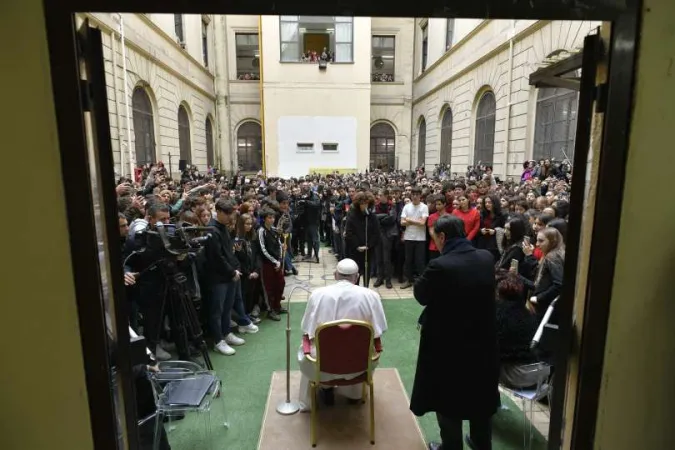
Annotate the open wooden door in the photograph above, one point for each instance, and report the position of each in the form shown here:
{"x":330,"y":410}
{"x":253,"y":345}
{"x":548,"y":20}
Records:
{"x":112,"y":308}
{"x":590,"y":100}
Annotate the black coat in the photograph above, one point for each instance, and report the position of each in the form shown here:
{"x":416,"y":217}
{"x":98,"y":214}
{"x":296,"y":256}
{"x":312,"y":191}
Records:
{"x":458,"y":363}
{"x":355,"y":232}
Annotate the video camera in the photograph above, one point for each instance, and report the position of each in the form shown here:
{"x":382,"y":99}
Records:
{"x":170,"y":240}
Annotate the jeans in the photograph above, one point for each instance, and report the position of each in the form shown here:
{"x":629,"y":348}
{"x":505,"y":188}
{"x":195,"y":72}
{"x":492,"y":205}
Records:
{"x":312,"y":238}
{"x":223,"y":297}
{"x":288,"y":260}
{"x":337,"y":245}
{"x":451,"y":433}
{"x":243,"y":319}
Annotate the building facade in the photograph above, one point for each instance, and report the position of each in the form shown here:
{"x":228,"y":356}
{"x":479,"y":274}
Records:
{"x":292,"y":95}
{"x":160,"y":83}
{"x":473,"y":103}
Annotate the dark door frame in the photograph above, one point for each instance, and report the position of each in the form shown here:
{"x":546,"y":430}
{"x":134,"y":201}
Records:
{"x":618,"y":97}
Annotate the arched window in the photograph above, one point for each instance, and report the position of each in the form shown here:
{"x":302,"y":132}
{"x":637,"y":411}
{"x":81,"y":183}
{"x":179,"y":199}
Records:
{"x":382,"y":147}
{"x":446,"y":137}
{"x":249,"y":147}
{"x":422,"y":143}
{"x":144,"y":127}
{"x":210,"y":156}
{"x":184,"y":134}
{"x":555,"y":124}
{"x":484,"y":146}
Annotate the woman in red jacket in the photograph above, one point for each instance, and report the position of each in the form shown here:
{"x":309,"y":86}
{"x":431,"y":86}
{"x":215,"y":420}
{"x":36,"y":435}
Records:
{"x":469,"y":215}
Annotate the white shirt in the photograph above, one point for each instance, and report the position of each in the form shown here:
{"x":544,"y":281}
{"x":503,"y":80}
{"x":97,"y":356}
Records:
{"x":343,"y":300}
{"x":415,"y":232}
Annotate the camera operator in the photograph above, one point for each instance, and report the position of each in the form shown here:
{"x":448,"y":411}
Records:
{"x":150,"y":287}
{"x":312,"y":216}
{"x":222,"y":278}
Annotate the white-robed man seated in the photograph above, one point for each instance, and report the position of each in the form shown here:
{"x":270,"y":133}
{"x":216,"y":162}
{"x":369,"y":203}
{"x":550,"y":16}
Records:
{"x":344,"y":300}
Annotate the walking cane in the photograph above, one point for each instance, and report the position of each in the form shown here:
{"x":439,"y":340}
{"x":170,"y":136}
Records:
{"x":287,"y":408}
{"x":284,"y":249}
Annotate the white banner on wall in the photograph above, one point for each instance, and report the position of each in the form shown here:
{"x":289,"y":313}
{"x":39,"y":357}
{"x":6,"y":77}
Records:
{"x":307,"y":142}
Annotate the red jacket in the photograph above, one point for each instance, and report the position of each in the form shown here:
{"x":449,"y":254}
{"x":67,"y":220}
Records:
{"x":471,"y":220}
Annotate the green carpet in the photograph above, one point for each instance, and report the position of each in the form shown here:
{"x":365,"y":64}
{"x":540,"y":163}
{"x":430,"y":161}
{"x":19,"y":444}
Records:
{"x":247,"y":375}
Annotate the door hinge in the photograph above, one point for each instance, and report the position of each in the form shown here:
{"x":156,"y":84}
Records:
{"x":86,"y":95}
{"x":601,"y":98}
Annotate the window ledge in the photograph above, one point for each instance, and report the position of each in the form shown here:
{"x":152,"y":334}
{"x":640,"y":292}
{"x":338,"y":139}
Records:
{"x":244,"y":81}
{"x":384,"y":83}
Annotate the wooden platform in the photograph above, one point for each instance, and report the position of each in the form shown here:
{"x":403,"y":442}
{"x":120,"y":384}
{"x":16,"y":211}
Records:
{"x":343,"y":426}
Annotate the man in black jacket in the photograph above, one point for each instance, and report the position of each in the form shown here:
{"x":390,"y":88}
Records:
{"x":222,"y":276}
{"x":312,"y":205}
{"x":457,"y":367}
{"x":387,"y":219}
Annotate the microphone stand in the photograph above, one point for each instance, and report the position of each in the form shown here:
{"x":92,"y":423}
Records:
{"x":366,"y":275}
{"x":287,"y":408}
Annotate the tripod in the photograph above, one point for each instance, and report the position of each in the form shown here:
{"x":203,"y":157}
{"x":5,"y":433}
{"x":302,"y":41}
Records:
{"x":181,"y":311}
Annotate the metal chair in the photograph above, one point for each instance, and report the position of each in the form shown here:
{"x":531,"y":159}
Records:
{"x":343,"y":347}
{"x":184,"y":386}
{"x":529,"y":396}
{"x":540,"y":371}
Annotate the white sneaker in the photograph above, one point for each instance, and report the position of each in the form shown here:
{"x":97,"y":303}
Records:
{"x":161,"y":354}
{"x":233,"y":324}
{"x":231,"y":339}
{"x":256,"y":311}
{"x":222,"y":347}
{"x":250,"y":329}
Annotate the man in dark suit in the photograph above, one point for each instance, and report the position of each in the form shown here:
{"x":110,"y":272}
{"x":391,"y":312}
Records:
{"x":457,"y":367}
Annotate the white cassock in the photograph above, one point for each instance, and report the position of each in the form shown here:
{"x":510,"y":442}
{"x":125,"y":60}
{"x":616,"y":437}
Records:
{"x":339,"y":301}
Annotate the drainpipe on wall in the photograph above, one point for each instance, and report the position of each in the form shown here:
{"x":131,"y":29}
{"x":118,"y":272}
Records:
{"x":512,"y":35}
{"x":113,"y":47}
{"x":126,"y":96}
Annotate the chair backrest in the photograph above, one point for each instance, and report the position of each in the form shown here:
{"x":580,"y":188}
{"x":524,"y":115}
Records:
{"x":344,"y":347}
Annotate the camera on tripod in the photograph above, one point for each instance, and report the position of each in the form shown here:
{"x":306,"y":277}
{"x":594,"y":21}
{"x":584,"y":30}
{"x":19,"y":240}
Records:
{"x":170,"y":240}
{"x":173,"y":250}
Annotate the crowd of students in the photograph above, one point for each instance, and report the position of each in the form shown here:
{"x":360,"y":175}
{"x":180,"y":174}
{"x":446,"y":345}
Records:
{"x":382,"y":220}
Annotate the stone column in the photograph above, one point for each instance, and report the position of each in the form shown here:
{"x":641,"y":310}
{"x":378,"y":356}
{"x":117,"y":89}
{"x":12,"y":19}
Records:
{"x":225,"y":155}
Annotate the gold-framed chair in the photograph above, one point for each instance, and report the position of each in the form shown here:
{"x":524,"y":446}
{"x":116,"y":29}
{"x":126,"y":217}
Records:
{"x":343,"y":347}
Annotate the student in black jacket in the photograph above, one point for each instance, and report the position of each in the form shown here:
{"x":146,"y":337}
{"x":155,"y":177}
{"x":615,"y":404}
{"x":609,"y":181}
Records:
{"x":515,"y":231}
{"x":272,"y":273}
{"x":248,"y":254}
{"x":222,"y":273}
{"x":386,"y":214}
{"x":546,"y":277}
